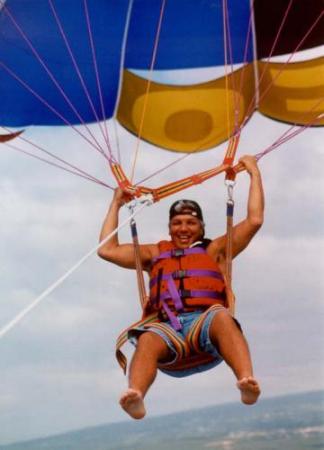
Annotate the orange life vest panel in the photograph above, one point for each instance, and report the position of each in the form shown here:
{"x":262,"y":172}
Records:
{"x":184,"y":280}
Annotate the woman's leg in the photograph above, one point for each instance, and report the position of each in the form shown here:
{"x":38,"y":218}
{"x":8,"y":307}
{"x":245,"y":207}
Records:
{"x":232,"y":345}
{"x":150,"y":349}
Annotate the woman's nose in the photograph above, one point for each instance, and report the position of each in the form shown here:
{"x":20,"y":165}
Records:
{"x":183,"y":227}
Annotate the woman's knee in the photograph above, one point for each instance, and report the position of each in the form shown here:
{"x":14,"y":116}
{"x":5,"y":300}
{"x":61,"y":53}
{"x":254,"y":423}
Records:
{"x":222,"y":317}
{"x":222,"y":323}
{"x":153,"y":344}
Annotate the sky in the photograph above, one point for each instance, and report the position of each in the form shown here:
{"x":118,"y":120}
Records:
{"x":58,"y":370}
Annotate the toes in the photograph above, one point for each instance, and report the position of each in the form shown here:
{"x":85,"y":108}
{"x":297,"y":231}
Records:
{"x":252,"y":381}
{"x":250,"y":390}
{"x":129,"y":397}
{"x":132,"y":402}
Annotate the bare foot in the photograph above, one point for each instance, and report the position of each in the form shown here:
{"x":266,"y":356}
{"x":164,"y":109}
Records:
{"x":250,"y":390}
{"x":132,"y":402}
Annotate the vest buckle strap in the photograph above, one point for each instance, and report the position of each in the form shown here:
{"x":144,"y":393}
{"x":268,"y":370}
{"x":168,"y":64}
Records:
{"x":175,"y":323}
{"x":196,"y":293}
{"x":179,"y":274}
{"x":177,"y":252}
{"x":185,"y":293}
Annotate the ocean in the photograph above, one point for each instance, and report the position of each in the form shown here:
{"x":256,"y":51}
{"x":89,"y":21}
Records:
{"x":293,"y":422}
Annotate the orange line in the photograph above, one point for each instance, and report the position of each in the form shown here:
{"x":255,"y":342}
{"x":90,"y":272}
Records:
{"x":148,"y":86}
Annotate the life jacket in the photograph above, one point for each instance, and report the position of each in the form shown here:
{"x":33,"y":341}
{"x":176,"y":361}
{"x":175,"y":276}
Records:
{"x":184,"y":280}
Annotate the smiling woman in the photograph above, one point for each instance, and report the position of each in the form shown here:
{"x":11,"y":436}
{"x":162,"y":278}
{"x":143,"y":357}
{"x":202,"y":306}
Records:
{"x":187,"y":276}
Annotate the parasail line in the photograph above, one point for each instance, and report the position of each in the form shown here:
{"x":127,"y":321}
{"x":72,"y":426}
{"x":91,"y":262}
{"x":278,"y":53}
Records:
{"x":121,"y":73}
{"x":177,"y":186}
{"x":50,"y":75}
{"x":157,"y":172}
{"x":255,"y":58}
{"x":279,"y":141}
{"x":226,"y":64}
{"x":96,"y":69}
{"x":12,"y":323}
{"x":288,"y":137}
{"x":282,"y":138}
{"x":234,"y":139}
{"x":258,"y":78}
{"x":52,"y":155}
{"x":246,"y":47}
{"x":51,"y":163}
{"x":148,"y":86}
{"x":251,"y":107}
{"x":50,"y":107}
{"x":236,"y":104}
{"x":275,"y":42}
{"x":76,"y":67}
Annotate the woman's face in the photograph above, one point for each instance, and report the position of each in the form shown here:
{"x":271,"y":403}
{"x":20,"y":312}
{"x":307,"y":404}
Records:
{"x":185,"y":229}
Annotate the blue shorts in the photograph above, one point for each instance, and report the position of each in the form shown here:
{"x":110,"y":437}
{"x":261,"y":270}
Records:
{"x":187,"y":320}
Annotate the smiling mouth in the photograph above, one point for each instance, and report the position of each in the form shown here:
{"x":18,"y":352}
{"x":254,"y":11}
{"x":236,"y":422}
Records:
{"x":184,"y":238}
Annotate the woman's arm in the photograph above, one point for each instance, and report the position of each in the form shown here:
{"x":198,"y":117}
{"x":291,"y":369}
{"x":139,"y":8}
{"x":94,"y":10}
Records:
{"x":113,"y":251}
{"x":244,"y":231}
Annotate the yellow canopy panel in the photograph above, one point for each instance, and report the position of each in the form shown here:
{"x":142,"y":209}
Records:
{"x":185,"y":118}
{"x":295,"y":93}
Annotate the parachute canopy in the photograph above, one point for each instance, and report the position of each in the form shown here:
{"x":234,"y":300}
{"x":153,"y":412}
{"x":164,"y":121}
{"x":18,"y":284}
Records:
{"x":83,"y":61}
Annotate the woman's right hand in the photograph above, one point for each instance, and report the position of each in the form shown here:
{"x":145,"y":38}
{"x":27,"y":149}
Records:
{"x":121,"y":197}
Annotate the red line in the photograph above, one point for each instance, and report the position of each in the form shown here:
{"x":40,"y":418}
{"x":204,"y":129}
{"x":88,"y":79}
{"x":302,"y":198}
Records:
{"x":236,"y":100}
{"x":49,"y":73}
{"x":51,"y":108}
{"x":155,"y":48}
{"x":52,"y":155}
{"x":245,"y":61}
{"x":250,"y":109}
{"x":286,"y":136}
{"x":76,"y":66}
{"x":94,"y":58}
{"x":89,"y":178}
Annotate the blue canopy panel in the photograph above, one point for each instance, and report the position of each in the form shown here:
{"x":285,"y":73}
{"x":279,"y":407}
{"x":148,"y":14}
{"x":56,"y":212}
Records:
{"x":19,"y":107}
{"x":191,"y":36}
{"x":191,"y":33}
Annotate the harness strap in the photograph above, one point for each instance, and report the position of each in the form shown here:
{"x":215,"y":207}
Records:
{"x":196,"y":357}
{"x":180,"y":274}
{"x":184,"y":293}
{"x":173,"y":293}
{"x":178,"y":253}
{"x":138,"y":264}
{"x":229,"y":245}
{"x":194,"y":333}
{"x":123,"y":338}
{"x":187,"y":293}
{"x":183,"y":347}
{"x":172,"y":317}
